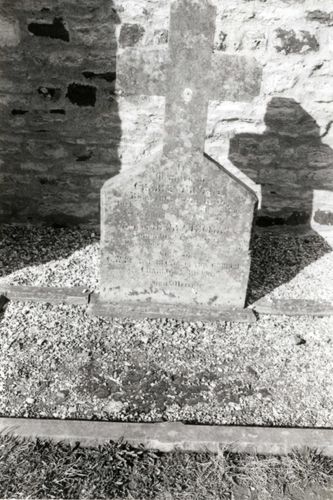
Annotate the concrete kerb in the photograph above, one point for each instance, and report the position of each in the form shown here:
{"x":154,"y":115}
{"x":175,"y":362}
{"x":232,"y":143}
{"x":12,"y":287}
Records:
{"x":168,"y":436}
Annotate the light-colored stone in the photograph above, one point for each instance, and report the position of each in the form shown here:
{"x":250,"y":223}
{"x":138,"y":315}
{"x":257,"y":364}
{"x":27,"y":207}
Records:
{"x":169,"y":436}
{"x":9,"y":33}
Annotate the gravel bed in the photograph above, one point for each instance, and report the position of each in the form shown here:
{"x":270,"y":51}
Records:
{"x":58,"y":361}
{"x":46,"y":256}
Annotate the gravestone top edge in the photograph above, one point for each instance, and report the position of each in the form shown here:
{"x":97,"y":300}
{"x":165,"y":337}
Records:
{"x":232,"y":176}
{"x":139,"y":168}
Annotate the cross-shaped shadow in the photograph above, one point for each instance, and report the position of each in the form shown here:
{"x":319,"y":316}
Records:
{"x":289,"y":161}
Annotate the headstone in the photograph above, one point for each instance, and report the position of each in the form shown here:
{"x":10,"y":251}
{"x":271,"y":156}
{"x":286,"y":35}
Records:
{"x":175,"y":232}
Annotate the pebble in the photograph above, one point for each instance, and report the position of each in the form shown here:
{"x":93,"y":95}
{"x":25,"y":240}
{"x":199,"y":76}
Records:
{"x":299,"y":340}
{"x":114,"y":407}
{"x":62,"y":395}
{"x":102,"y":393}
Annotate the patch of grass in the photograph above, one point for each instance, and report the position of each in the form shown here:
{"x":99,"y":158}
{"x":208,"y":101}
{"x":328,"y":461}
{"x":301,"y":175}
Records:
{"x":43,"y":469}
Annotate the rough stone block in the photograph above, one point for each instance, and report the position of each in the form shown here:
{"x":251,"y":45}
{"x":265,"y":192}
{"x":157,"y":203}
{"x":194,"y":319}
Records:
{"x":130,"y":34}
{"x":296,"y":43}
{"x":321,"y":17}
{"x":9,"y":33}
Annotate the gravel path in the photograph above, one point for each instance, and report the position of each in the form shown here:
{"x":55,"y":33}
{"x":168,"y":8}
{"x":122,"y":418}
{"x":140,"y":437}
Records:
{"x":57,"y":361}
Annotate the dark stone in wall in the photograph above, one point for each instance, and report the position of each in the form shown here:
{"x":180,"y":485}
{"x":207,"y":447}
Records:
{"x":130,"y":34}
{"x":55,"y":30}
{"x":108,"y":76}
{"x":296,"y":43}
{"x":84,"y":157}
{"x":221,"y":45}
{"x":19,"y":111}
{"x":324,"y":217}
{"x":320,"y":17}
{"x":82,"y":95}
{"x":161,"y":36}
{"x":45,"y":180}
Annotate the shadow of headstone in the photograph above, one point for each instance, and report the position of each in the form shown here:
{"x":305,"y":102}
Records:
{"x":60,"y":128}
{"x":289,"y":161}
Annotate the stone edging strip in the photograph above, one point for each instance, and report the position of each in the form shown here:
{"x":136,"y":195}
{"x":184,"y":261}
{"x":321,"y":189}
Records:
{"x":140,"y":310}
{"x":51,"y":295}
{"x":82,"y":296}
{"x":167,"y":436}
{"x":293,"y":307}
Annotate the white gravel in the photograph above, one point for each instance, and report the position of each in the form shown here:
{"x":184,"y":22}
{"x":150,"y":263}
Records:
{"x":58,"y":361}
{"x":44,"y":256}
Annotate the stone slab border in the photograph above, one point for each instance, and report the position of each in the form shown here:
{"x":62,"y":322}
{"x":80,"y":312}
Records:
{"x":50,"y":295}
{"x":293,"y":307}
{"x":176,"y":311}
{"x":168,"y":436}
{"x":83,"y":297}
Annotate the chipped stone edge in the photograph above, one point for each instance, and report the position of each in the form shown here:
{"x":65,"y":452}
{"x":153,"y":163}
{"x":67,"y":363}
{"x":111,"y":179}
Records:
{"x":168,"y":436}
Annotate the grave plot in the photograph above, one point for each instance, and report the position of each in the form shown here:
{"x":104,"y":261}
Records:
{"x":58,"y":361}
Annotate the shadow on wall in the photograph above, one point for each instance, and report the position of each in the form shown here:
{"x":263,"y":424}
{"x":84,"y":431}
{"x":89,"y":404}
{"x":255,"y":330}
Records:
{"x":60,"y":127}
{"x":289,"y":161}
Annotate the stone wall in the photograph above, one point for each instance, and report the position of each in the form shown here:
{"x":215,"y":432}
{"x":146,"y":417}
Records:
{"x":64,"y":131}
{"x":59,"y":119}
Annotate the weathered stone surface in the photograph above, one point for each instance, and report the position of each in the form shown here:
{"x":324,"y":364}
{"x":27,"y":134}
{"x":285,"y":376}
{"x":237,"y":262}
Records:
{"x":141,"y":310}
{"x":49,"y":295}
{"x":293,"y":307}
{"x":320,"y":16}
{"x":324,"y":217}
{"x":145,"y":72}
{"x":130,"y":34}
{"x":294,"y":43}
{"x":58,"y":112}
{"x":134,"y":125}
{"x":9,"y":33}
{"x":168,"y":436}
{"x":176,"y":231}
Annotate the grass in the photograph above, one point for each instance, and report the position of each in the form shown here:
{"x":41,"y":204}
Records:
{"x":41,"y":469}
